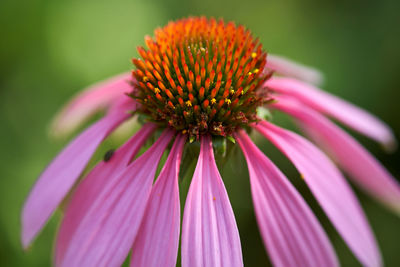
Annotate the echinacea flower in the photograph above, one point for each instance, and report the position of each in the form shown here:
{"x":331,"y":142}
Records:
{"x":202,"y":80}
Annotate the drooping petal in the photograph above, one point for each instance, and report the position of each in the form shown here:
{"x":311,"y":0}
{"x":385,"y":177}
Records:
{"x":89,"y":189}
{"x":61,"y":174}
{"x":158,"y":238}
{"x":291,"y":232}
{"x":89,"y":101}
{"x":106,"y":233}
{"x":354,"y":117}
{"x":209,"y":233}
{"x":293,"y":69}
{"x":350,"y":155}
{"x":330,"y":189}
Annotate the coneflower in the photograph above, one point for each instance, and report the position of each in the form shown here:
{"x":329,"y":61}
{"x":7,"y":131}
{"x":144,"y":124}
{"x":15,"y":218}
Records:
{"x":202,"y":81}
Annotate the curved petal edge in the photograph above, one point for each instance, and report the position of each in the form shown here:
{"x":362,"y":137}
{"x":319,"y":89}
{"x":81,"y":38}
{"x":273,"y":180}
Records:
{"x":291,"y":232}
{"x":330,"y":189}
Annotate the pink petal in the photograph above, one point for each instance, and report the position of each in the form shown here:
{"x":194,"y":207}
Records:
{"x":158,"y":238}
{"x":289,"y":229}
{"x":330,"y":189}
{"x":209,"y":233}
{"x":89,"y":101}
{"x":61,"y":174}
{"x":351,"y":156}
{"x":90,"y":188}
{"x":354,"y":117}
{"x":293,"y":69}
{"x":106,"y":233}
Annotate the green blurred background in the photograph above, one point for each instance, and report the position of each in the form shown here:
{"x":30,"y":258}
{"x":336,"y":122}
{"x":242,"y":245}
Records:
{"x":51,"y":49}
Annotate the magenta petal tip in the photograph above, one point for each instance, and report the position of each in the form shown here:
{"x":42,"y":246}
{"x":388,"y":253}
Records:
{"x":347,"y":113}
{"x":61,"y":174}
{"x":89,"y":101}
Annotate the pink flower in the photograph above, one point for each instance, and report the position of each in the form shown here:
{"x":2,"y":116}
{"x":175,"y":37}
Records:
{"x":201,"y":80}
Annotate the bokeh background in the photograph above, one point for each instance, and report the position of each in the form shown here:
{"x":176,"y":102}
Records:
{"x":51,"y":49}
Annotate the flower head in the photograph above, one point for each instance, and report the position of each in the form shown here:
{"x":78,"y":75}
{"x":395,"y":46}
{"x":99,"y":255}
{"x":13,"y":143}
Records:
{"x":202,"y":79}
{"x":201,"y":76}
